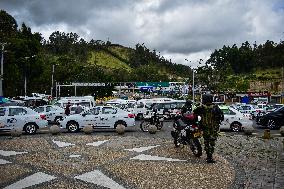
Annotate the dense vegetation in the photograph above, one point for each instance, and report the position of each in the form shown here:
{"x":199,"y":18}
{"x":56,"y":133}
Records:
{"x":76,"y":60}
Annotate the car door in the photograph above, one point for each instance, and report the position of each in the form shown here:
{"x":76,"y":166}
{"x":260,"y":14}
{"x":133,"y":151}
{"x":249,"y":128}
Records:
{"x":229,"y":117}
{"x":107,"y":117}
{"x":91,"y":117}
{"x":16,"y":117}
{"x":3,"y":119}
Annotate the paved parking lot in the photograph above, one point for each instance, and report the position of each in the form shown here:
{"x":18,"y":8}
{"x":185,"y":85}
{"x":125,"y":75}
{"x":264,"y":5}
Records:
{"x":137,"y":160}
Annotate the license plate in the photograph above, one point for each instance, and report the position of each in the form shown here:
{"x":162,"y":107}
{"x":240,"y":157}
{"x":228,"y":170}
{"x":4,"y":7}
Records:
{"x":197,"y":134}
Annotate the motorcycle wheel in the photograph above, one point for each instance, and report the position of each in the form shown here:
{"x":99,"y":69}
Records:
{"x":159,"y":125}
{"x":195,"y":147}
{"x":144,"y":126}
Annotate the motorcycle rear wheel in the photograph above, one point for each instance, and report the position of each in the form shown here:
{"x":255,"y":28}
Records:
{"x":195,"y":147}
{"x":159,"y":125}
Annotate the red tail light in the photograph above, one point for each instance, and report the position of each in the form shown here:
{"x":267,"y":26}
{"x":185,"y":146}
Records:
{"x":131,"y":115}
{"x":43,"y":117}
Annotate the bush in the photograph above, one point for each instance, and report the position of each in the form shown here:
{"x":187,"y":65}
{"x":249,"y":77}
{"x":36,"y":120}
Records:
{"x":120,"y":129}
{"x":54,"y":130}
{"x":88,"y":129}
{"x":16,"y":132}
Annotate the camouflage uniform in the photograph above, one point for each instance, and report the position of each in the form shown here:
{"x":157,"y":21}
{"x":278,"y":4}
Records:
{"x":211,"y":115}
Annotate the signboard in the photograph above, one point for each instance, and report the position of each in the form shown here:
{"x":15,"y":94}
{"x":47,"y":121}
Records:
{"x":89,"y":84}
{"x":254,"y":94}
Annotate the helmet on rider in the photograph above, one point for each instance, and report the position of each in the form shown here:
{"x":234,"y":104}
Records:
{"x":207,"y":99}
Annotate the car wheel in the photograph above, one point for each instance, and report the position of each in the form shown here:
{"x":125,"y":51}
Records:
{"x":119,"y":123}
{"x":57,"y":119}
{"x":271,"y":124}
{"x":73,"y":126}
{"x":30,"y":128}
{"x":236,"y":127}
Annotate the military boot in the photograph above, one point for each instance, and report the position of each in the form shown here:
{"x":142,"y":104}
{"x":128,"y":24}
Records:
{"x":209,"y":159}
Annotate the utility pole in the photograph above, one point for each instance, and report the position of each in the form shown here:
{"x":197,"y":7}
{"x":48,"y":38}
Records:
{"x":2,"y":70}
{"x":193,"y":87}
{"x":51,"y":92}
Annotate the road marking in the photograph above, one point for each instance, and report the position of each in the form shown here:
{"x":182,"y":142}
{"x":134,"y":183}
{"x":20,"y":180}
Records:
{"x":3,"y":161}
{"x":142,"y":149}
{"x":31,"y":180}
{"x":62,"y":144}
{"x":10,"y":153}
{"x":98,"y":143}
{"x":75,"y":156}
{"x":98,"y":178}
{"x":144,"y":157}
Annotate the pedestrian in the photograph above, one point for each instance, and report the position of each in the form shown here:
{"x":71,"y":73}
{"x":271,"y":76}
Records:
{"x":67,"y":109}
{"x":211,"y":117}
{"x":78,"y":109}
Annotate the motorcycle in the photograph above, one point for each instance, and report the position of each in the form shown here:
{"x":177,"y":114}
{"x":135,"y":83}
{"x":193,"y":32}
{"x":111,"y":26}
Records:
{"x":151,"y":120}
{"x":187,"y":132}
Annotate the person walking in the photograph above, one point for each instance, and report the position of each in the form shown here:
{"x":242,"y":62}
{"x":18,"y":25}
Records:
{"x":67,"y":109}
{"x":211,"y":117}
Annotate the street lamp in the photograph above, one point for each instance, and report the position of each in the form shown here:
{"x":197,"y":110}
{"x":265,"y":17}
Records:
{"x":2,"y":70}
{"x":193,"y":94}
{"x":25,"y":84}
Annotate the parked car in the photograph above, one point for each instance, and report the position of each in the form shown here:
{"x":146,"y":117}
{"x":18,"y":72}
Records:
{"x":99,"y":117}
{"x":53,"y":113}
{"x":13,"y":103}
{"x":21,"y":117}
{"x":249,"y":108}
{"x":234,"y":120}
{"x":272,"y":120}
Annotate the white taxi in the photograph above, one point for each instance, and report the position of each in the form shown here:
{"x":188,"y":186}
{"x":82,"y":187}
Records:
{"x":21,"y":117}
{"x":53,"y":113}
{"x":234,"y":120}
{"x":99,"y":117}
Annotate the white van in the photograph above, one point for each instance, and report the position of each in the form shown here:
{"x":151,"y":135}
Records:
{"x":86,"y":101}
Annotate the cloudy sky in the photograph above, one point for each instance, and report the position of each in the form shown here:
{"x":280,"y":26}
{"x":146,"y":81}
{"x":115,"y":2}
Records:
{"x":179,"y":29}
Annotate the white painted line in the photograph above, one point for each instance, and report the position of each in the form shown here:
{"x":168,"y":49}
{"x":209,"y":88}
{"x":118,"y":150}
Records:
{"x":3,"y":161}
{"x":98,"y":178}
{"x":31,"y":180}
{"x":62,"y":144}
{"x":98,"y":143}
{"x":75,"y":156}
{"x":10,"y":153}
{"x":144,"y":157}
{"x":142,"y":149}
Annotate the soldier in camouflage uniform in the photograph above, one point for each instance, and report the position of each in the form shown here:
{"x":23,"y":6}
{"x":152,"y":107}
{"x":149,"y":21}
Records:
{"x":211,"y":117}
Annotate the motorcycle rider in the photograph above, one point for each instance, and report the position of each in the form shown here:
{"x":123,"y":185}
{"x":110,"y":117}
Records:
{"x":187,"y":108}
{"x":211,"y":117}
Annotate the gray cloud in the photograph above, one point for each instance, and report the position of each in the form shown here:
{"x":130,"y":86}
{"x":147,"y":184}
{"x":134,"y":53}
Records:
{"x":182,"y":28}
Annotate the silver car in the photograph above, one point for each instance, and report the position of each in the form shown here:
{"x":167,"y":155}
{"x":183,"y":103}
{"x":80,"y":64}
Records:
{"x":52,"y":113}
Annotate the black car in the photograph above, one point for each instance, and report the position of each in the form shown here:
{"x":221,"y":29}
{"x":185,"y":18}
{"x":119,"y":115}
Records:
{"x":273,"y":120}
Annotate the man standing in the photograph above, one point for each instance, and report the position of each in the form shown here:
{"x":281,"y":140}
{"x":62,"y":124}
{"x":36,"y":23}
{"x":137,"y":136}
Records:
{"x":78,"y":109}
{"x":67,"y":109}
{"x":211,"y":117}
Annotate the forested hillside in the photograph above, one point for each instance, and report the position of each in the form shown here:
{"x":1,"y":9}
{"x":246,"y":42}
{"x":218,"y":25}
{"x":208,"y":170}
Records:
{"x":28,"y":55}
